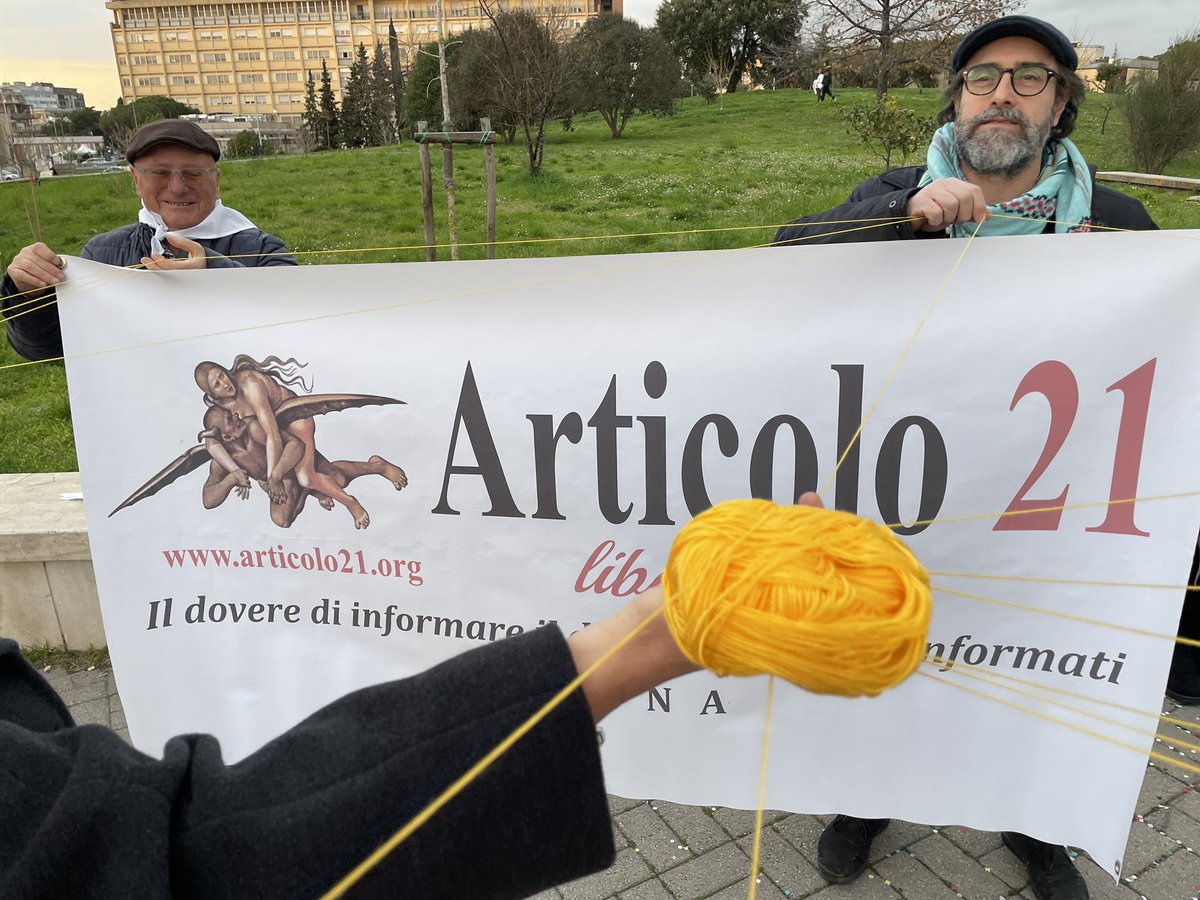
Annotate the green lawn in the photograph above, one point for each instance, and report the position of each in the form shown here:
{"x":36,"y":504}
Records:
{"x":717,"y":175}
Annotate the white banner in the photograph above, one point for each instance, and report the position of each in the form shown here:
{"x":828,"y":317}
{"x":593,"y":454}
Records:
{"x":558,"y":420}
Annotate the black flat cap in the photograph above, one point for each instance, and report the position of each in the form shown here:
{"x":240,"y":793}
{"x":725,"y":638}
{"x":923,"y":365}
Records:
{"x":1016,"y":26}
{"x":172,"y":131}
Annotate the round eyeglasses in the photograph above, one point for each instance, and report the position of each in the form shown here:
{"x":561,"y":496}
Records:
{"x":1027,"y":80}
{"x":190,"y":175}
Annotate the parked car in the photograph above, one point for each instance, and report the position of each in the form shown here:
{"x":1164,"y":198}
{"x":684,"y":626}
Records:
{"x":11,"y":175}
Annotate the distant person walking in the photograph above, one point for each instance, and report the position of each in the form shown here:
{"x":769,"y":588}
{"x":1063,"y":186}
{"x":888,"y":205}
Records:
{"x":818,"y":85}
{"x":826,"y":86}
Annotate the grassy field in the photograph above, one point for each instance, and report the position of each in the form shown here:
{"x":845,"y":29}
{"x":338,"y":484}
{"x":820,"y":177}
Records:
{"x":716,"y":175}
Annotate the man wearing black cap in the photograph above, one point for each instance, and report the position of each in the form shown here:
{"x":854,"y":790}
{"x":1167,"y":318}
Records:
{"x":1001,"y":163}
{"x":182,"y":225}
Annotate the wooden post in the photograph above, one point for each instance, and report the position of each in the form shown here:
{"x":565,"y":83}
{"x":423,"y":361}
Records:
{"x":447,"y":139}
{"x":448,"y":181}
{"x":489,"y":155}
{"x":427,"y":195}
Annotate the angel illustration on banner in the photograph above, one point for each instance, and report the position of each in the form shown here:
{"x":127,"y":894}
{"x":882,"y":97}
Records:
{"x":257,"y":428}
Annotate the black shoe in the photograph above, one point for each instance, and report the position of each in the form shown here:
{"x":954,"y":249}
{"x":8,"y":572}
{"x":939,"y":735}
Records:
{"x":1183,"y":684}
{"x":1052,"y":874}
{"x":845,"y":847}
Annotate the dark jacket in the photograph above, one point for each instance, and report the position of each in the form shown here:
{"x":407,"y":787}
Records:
{"x":886,"y":196}
{"x":33,"y":329}
{"x":83,"y":815}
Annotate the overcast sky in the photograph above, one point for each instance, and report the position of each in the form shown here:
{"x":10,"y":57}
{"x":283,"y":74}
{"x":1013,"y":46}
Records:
{"x":67,"y":42}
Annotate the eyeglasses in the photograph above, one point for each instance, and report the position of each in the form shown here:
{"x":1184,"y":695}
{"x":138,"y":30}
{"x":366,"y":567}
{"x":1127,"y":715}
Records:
{"x":1027,"y":80}
{"x":189,"y":175}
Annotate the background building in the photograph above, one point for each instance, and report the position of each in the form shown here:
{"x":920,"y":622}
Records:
{"x":37,"y":104}
{"x":253,"y":59}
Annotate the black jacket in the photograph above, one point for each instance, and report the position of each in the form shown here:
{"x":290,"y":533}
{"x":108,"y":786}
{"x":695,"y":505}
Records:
{"x":886,"y":196}
{"x":33,"y":329}
{"x":83,"y":815}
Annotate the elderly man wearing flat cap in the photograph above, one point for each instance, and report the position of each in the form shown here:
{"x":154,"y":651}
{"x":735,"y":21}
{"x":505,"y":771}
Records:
{"x":1002,"y":149}
{"x":182,"y":225}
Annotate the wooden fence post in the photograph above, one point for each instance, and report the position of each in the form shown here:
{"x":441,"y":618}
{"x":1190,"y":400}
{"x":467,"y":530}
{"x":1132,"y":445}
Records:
{"x":427,"y":194}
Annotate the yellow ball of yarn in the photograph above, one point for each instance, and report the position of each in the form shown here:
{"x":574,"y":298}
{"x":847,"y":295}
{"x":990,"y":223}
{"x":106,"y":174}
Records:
{"x":828,"y":600}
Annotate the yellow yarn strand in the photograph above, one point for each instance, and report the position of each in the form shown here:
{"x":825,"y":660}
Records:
{"x":756,"y":854}
{"x":1161,"y":757}
{"x":832,"y":602}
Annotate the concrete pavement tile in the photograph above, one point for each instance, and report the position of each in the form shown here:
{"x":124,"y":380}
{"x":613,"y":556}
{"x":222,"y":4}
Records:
{"x":628,"y":870}
{"x":802,"y":832}
{"x":707,"y":874}
{"x":1006,"y":867}
{"x":91,"y":712}
{"x":648,"y":890}
{"x":1145,"y":846}
{"x":972,"y":842}
{"x":896,"y":837}
{"x":1158,"y":788}
{"x":1175,"y":878}
{"x":1101,"y":885}
{"x":1178,"y":827}
{"x":618,"y":805}
{"x":658,"y":845}
{"x":868,"y":887}
{"x":116,"y":715}
{"x":740,"y":822}
{"x":550,"y":894}
{"x":1188,"y":803}
{"x":695,"y":825}
{"x":82,"y":690}
{"x":1179,"y":711}
{"x":965,"y":874}
{"x":123,"y":734}
{"x":784,"y":864}
{"x":764,"y":891}
{"x":913,"y":880}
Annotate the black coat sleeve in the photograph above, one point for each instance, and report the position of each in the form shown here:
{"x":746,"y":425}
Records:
{"x":30,"y":322}
{"x":84,"y":815}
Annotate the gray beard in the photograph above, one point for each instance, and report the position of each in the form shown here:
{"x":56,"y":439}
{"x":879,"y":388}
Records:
{"x":994,"y":152}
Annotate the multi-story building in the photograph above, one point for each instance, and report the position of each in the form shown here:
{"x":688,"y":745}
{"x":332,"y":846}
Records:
{"x":44,"y":101}
{"x":253,"y":59}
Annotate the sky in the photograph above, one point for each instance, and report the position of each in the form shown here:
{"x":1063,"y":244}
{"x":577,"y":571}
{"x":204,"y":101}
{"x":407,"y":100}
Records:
{"x":72,"y":47}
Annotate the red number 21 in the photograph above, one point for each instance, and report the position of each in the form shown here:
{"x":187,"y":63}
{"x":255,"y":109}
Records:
{"x":1056,"y":382}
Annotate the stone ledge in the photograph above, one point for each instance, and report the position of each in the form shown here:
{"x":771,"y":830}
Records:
{"x":47,"y":587}
{"x":36,"y":523}
{"x":1172,"y":182}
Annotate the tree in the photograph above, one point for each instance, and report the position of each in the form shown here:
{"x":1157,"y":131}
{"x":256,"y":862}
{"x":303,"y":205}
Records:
{"x":1110,"y":77}
{"x":382,"y":124}
{"x":524,"y":59}
{"x":356,"y":102}
{"x":247,"y":143}
{"x":887,"y":129}
{"x":1164,"y":112}
{"x":311,"y":117}
{"x":119,"y":123}
{"x":397,"y":72}
{"x":616,"y":67}
{"x":83,"y":121}
{"x":899,"y":30}
{"x":331,"y":126}
{"x":727,"y":37}
{"x":423,"y":94}
{"x":474,"y":93}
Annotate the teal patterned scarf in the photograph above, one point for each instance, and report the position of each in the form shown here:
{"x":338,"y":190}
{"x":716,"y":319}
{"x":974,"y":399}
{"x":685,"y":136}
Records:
{"x":1063,"y":191}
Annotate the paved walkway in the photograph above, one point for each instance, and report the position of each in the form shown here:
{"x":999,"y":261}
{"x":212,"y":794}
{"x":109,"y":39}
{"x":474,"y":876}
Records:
{"x":673,"y":852}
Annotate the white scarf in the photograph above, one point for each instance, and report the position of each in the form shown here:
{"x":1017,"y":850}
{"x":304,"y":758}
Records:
{"x":222,"y":221}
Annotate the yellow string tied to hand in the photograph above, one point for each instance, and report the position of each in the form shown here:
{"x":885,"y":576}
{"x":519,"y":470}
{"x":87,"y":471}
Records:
{"x":832,"y":602}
